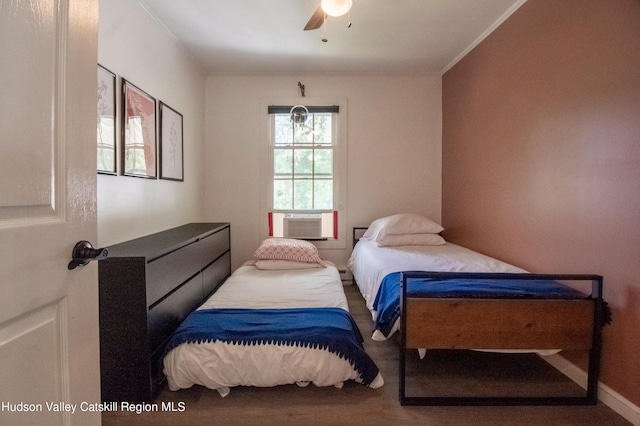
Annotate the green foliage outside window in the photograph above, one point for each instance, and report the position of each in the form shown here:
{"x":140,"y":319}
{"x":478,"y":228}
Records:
{"x":303,"y":163}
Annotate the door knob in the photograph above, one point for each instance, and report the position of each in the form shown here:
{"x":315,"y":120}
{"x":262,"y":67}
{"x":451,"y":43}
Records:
{"x":83,"y":253}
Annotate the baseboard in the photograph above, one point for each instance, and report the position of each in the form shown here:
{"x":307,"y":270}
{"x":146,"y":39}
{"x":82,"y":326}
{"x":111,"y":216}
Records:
{"x":606,"y":395}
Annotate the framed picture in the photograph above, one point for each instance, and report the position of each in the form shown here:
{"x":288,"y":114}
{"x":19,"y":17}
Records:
{"x":138,"y":132}
{"x":171,"y":150}
{"x":106,"y":121}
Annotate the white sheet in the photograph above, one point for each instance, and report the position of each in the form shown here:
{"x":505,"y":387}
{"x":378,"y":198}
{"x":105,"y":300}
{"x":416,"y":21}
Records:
{"x":250,"y":287}
{"x":220,"y":366}
{"x":370,"y":263}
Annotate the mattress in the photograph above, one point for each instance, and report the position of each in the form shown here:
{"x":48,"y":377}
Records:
{"x":370,"y":263}
{"x":221,"y":365}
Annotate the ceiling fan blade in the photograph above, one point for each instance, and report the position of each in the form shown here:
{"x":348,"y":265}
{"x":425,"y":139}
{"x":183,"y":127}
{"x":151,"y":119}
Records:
{"x":316,"y":20}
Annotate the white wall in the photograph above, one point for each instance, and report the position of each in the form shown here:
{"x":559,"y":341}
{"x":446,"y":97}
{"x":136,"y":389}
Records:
{"x":394,"y":148}
{"x":133,"y":46}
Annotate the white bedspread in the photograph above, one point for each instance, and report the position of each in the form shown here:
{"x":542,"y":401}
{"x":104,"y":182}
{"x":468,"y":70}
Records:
{"x":370,"y":263}
{"x":220,"y":366}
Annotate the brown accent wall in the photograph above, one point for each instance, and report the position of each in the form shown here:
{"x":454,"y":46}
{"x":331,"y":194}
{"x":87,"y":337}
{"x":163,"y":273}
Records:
{"x":541,"y":155}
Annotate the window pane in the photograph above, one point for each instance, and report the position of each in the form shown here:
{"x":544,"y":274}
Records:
{"x":282,"y":194}
{"x":303,"y":170}
{"x":283,"y":129}
{"x":303,"y":195}
{"x":282,"y":163}
{"x":303,"y":133}
{"x":323,"y":163}
{"x":323,"y":194}
{"x":303,"y":163}
{"x":322,"y":129}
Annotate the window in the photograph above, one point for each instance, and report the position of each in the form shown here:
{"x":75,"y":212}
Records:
{"x":303,"y":163}
{"x":305,"y":178}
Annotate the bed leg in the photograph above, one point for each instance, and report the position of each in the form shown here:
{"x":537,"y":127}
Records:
{"x":594,"y":353}
{"x":403,"y":343}
{"x":402,"y":375}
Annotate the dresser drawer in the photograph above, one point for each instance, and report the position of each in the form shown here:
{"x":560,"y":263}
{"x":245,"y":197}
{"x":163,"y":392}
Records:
{"x":213,"y":274}
{"x":215,"y":245}
{"x":171,"y":270}
{"x":167,"y":315}
{"x":167,"y":272}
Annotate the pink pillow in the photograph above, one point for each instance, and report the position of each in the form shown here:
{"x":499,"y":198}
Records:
{"x":287,"y":249}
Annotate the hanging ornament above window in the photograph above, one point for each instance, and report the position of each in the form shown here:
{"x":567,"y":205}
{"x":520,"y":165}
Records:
{"x":299,"y":114}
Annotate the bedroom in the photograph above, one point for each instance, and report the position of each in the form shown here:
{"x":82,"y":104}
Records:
{"x":433,"y":161}
{"x":231,"y":96}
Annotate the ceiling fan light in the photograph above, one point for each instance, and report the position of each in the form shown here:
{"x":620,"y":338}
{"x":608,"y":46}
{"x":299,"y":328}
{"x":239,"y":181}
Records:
{"x":336,"y":7}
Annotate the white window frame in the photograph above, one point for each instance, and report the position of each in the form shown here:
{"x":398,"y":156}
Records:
{"x":339,"y":163}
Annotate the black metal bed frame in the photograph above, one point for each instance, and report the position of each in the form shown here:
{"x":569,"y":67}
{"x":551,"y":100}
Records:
{"x":591,"y":396}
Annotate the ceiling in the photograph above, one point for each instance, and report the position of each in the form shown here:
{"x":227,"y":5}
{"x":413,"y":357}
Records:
{"x":386,"y":36}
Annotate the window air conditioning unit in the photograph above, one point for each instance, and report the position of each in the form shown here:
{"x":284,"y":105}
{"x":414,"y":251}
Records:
{"x":307,"y":226}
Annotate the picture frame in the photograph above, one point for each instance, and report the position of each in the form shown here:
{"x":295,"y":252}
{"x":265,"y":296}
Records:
{"x":138,"y":132}
{"x":106,"y":123}
{"x":171,"y":144}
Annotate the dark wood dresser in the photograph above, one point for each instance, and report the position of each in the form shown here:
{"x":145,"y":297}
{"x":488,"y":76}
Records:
{"x":147,"y":287}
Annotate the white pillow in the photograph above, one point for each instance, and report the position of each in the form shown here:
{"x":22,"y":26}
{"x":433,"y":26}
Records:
{"x":391,"y":240}
{"x":285,"y":265}
{"x":404,"y":223}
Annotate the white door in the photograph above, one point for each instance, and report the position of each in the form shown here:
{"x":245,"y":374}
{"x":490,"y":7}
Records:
{"x":49,"y":342}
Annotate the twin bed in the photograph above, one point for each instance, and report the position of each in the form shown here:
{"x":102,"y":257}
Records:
{"x":280,"y":320}
{"x":444,"y":296}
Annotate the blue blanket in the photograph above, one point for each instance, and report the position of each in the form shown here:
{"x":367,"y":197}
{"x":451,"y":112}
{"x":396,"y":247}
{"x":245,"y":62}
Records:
{"x":387,"y":301}
{"x":331,"y":329}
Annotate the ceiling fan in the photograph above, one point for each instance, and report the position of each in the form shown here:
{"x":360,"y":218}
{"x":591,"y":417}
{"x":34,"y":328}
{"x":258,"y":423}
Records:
{"x":328,"y":8}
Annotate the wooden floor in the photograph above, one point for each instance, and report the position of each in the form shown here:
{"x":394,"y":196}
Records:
{"x":355,"y":404}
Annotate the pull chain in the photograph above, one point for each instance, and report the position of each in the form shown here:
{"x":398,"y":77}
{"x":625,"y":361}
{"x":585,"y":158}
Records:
{"x":324,"y":29}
